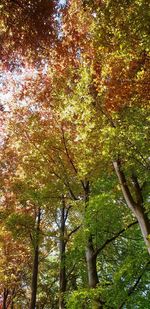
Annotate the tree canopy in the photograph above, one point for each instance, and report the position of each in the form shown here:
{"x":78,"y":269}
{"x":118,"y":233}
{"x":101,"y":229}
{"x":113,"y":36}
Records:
{"x":75,"y":163}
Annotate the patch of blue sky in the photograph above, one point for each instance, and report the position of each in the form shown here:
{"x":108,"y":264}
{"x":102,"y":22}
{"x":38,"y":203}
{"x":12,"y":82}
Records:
{"x":62,"y":2}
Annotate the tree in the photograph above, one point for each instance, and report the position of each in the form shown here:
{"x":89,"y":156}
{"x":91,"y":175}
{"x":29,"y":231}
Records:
{"x":77,"y":120}
{"x":27,"y":29}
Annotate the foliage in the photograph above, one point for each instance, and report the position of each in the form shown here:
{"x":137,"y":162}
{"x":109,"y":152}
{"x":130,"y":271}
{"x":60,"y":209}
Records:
{"x":75,"y":101}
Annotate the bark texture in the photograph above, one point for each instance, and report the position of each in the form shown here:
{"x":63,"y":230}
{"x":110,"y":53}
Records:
{"x":136,"y":204}
{"x":91,"y":264}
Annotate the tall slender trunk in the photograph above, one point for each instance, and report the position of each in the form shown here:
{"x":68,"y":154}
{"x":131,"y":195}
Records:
{"x":89,"y":251}
{"x":5,"y":296}
{"x":35,"y":264}
{"x":91,"y":257}
{"x":62,"y":248}
{"x":135,"y":204}
{"x":91,"y":264}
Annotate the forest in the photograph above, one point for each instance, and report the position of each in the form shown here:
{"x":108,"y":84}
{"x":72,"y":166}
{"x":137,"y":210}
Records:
{"x":74,"y":154}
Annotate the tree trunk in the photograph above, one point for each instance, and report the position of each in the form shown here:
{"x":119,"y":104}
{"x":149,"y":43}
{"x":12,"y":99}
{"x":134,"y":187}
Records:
{"x":89,"y":253}
{"x":144,"y":224}
{"x":91,"y":264}
{"x":136,"y":206}
{"x":62,"y":248}
{"x":91,"y":257}
{"x":5,"y":296}
{"x":35,"y":264}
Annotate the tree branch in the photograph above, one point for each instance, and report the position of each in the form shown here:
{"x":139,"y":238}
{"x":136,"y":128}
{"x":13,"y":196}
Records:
{"x":73,"y":231}
{"x":124,"y":186}
{"x":113,"y":238}
{"x":67,"y":212}
{"x":137,"y":189}
{"x":67,"y":152}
